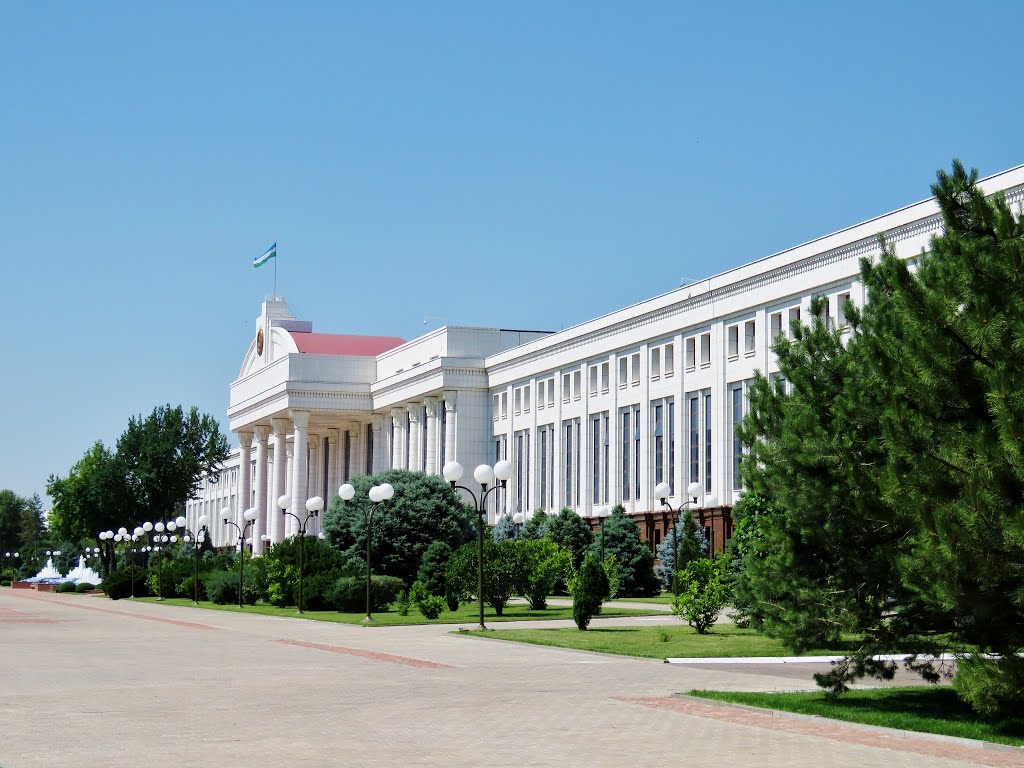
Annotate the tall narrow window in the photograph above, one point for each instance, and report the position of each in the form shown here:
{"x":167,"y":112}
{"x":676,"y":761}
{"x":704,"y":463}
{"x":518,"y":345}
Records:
{"x":748,"y":336}
{"x":568,"y":463}
{"x":656,"y":363}
{"x":593,"y":380}
{"x":519,"y":472}
{"x":544,"y":466}
{"x":518,"y":399}
{"x":369,"y":451}
{"x":841,"y":300}
{"x":635,"y":365}
{"x":636,"y":453}
{"x":579,"y":467}
{"x":504,"y":405}
{"x":737,"y":446}
{"x":691,"y":352}
{"x":668,"y":364}
{"x":595,"y":460}
{"x":733,"y":333}
{"x":659,"y":444}
{"x":577,"y":384}
{"x":694,"y":439}
{"x":794,"y":316}
{"x":566,"y":387}
{"x":496,"y":407}
{"x":607,"y":466}
{"x":526,"y":397}
{"x":623,"y":371}
{"x":707,"y":443}
{"x":776,"y":325}
{"x":347,"y":469}
{"x":705,"y":349}
{"x":604,"y":377}
{"x":671,"y":406}
{"x":625,"y":454}
{"x":541,"y":386}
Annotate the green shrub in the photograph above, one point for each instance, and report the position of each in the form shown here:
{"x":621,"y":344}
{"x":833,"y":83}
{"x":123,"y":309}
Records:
{"x":432,"y":567}
{"x":317,"y":590}
{"x":589,"y":588}
{"x":349,"y":593}
{"x":278,"y":573}
{"x":67,"y":586}
{"x":118,"y":584}
{"x":402,"y":603}
{"x":222,"y":588}
{"x":431,"y":606}
{"x":632,"y":554}
{"x":541,"y":564}
{"x":186,"y":588}
{"x":703,"y":592}
{"x":5,"y":583}
{"x":84,"y":586}
{"x":501,"y":567}
{"x":991,"y":686}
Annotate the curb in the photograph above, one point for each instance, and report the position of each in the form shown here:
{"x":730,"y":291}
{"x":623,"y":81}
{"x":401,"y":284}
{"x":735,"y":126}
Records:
{"x":962,"y":741}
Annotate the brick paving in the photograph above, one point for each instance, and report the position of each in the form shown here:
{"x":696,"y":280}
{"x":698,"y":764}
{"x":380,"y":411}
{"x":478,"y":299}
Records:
{"x":144,"y":684}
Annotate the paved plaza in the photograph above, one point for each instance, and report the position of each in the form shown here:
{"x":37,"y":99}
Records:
{"x":93,"y":682}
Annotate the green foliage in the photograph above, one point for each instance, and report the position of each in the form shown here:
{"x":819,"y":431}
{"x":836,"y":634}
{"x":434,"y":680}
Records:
{"x":611,"y":569}
{"x":118,"y":584}
{"x":703,"y":592}
{"x":67,"y":586}
{"x":430,"y":606}
{"x":424,"y":510}
{"x":894,"y":469}
{"x":349,"y":593}
{"x":536,"y":527}
{"x":589,"y":589}
{"x":632,"y":554}
{"x":541,"y":564}
{"x":501,"y":565}
{"x":84,"y":586}
{"x":990,"y":686}
{"x":505,"y":529}
{"x":186,"y":587}
{"x":277,"y":576}
{"x":5,"y":583}
{"x":432,"y":567}
{"x":402,"y":603}
{"x":222,"y":588}
{"x":692,"y":544}
{"x":570,"y":531}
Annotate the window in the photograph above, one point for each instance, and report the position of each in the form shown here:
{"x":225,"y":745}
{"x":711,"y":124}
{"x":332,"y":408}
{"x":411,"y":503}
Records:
{"x":733,"y":334}
{"x":577,"y":384}
{"x":522,"y":462}
{"x":776,"y":325}
{"x":604,"y":376}
{"x":635,"y":360}
{"x":593,"y":380}
{"x":748,"y":337}
{"x":707,"y":442}
{"x":496,"y":407}
{"x":607,"y":455}
{"x":626,"y":417}
{"x":841,"y":300}
{"x":794,"y":316}
{"x":551,"y":392}
{"x":545,"y":455}
{"x":569,"y":454}
{"x":737,"y":446}
{"x":526,"y":401}
{"x":671,"y":407}
{"x":566,"y":385}
{"x":623,"y":371}
{"x":518,"y":400}
{"x":659,"y":444}
{"x":541,"y":386}
{"x":504,"y":405}
{"x":705,"y":349}
{"x":691,"y":352}
{"x":668,"y":364}
{"x":596,"y":454}
{"x":656,"y":363}
{"x":694,"y":437}
{"x":636,"y":452}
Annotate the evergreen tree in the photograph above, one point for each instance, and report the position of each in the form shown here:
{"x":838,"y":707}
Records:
{"x":12,"y":511}
{"x":32,"y":529}
{"x":632,"y":554}
{"x":589,"y":589}
{"x":432,"y":567}
{"x":570,"y":531}
{"x":505,"y":529}
{"x":537,"y":526}
{"x":693,"y":544}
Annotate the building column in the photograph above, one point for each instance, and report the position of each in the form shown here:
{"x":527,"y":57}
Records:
{"x":244,"y":478}
{"x":300,"y":468}
{"x":260,"y":526}
{"x":287,"y":523}
{"x":430,"y":460}
{"x":450,"y":425}
{"x":280,"y":444}
{"x":415,"y":438}
{"x":379,"y":444}
{"x":334,"y":446}
{"x":398,"y":444}
{"x":315,"y":478}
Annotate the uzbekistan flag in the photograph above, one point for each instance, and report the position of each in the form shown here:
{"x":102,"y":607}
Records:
{"x":271,"y":253}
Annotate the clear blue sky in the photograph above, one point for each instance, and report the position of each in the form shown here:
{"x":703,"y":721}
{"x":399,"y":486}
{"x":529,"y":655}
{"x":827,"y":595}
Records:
{"x":523,"y":165}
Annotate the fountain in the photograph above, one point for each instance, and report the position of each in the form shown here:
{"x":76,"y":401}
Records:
{"x":83,"y":573}
{"x":48,"y":572}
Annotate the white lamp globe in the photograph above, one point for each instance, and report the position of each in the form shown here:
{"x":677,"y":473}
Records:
{"x":503,"y":470}
{"x":517,"y":518}
{"x":315,"y":504}
{"x":452,"y":471}
{"x":203,"y":521}
{"x":225,"y":515}
{"x":693,"y":490}
{"x":95,"y":551}
{"x":605,"y":511}
{"x":171,"y":526}
{"x":117,"y":537}
{"x":387,"y":491}
{"x":484,"y":475}
{"x":147,"y":527}
{"x":181,"y":521}
{"x":159,"y":527}
{"x":321,"y":535}
{"x":710,"y":501}
{"x":347,"y":492}
{"x":284,"y":502}
{"x":135,"y":538}
{"x":374,"y":494}
{"x":57,"y":552}
{"x":138,"y":531}
{"x":173,"y":539}
{"x":250,"y":514}
{"x":122,"y":530}
{"x":662,"y":491}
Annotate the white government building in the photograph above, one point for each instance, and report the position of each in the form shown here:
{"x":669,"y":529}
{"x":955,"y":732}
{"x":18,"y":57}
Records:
{"x":590,"y":416}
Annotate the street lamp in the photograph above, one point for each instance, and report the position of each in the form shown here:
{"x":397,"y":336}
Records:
{"x":249,"y":516}
{"x":517,"y":521}
{"x":485,"y":475}
{"x":378,"y":495}
{"x":662,"y":491}
{"x":313,"y":507}
{"x":602,"y":513}
{"x":197,"y":538}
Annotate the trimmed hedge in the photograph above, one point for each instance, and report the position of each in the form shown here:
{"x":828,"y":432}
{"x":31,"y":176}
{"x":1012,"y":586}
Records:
{"x":118,"y":584}
{"x":67,"y":586}
{"x":222,"y":588}
{"x":84,"y":586}
{"x":349,"y":593}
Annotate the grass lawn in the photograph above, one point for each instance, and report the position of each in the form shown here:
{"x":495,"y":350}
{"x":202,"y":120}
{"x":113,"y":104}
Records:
{"x":929,"y":709}
{"x":657,"y":642}
{"x":467,"y":614}
{"x":665,"y":598}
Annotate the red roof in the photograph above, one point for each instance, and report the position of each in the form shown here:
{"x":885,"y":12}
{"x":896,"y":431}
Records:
{"x":343,"y":344}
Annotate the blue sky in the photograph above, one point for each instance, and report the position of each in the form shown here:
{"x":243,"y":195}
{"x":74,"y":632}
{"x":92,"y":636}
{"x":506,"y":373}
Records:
{"x":527,"y":165}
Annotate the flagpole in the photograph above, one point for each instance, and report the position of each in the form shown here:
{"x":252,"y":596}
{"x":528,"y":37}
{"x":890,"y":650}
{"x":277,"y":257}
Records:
{"x":275,"y":275}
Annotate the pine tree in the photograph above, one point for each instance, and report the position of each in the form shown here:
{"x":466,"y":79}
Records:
{"x":632,"y":554}
{"x":505,"y":529}
{"x":693,"y":544}
{"x":537,"y":525}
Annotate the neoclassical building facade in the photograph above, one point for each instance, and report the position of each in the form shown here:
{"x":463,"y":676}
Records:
{"x":591,"y":416}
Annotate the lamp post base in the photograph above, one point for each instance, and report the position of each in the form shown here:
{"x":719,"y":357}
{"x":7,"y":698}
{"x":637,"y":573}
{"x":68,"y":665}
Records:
{"x":483,"y":628}
{"x":368,"y":620}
